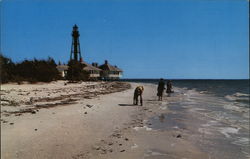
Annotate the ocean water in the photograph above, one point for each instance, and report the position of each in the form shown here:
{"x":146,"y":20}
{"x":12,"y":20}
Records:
{"x":214,"y":114}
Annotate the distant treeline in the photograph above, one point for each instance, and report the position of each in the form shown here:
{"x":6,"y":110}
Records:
{"x":28,"y":70}
{"x":38,"y":71}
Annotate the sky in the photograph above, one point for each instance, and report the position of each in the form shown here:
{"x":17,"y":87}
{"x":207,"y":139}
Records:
{"x":172,"y":39}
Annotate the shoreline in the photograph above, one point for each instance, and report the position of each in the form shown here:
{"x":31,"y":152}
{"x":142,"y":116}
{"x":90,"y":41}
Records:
{"x":127,"y":136}
{"x":107,"y":126}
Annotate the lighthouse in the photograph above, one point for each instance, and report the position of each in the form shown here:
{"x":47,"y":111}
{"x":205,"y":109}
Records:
{"x":75,"y":53}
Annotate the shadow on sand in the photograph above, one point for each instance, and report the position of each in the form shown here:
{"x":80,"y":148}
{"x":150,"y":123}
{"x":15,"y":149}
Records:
{"x":125,"y":105}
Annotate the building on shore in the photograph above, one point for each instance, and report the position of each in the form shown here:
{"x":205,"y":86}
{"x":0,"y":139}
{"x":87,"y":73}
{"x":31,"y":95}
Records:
{"x":94,"y":72}
{"x":62,"y":69}
{"x":110,"y":72}
{"x":103,"y":72}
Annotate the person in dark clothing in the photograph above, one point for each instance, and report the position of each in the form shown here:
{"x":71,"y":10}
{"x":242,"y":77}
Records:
{"x":160,"y":89}
{"x":169,"y":87}
{"x":138,"y":92}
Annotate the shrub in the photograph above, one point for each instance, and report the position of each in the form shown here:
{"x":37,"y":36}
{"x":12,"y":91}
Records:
{"x":6,"y":69}
{"x":29,"y":70}
{"x":75,"y":71}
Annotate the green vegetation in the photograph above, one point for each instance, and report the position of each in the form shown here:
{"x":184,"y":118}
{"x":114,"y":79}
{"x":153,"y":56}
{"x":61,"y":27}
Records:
{"x":76,"y":72}
{"x":28,"y":70}
{"x":7,"y":68}
{"x":38,"y":71}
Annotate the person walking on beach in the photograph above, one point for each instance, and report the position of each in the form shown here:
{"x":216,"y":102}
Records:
{"x":169,"y":87}
{"x":138,"y":92}
{"x":160,"y":89}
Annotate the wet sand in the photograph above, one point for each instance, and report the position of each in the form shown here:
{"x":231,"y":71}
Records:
{"x":103,"y":126}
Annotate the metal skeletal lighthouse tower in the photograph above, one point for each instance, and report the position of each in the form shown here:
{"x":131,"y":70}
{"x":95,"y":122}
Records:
{"x":75,"y":46}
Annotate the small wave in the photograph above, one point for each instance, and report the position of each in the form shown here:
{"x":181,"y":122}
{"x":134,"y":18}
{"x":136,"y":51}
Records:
{"x":232,"y":107}
{"x":242,"y":141}
{"x":203,"y":92}
{"x":241,"y":94}
{"x":236,"y":95}
{"x":229,"y":130}
{"x":229,"y":97}
{"x":205,"y":131}
{"x":239,"y":97}
{"x":210,"y":123}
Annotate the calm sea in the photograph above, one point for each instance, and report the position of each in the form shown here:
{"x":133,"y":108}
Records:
{"x":233,"y":90}
{"x":216,"y":113}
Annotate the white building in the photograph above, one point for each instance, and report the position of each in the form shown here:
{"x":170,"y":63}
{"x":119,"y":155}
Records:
{"x":94,"y":72}
{"x":105,"y":71}
{"x":110,"y":72}
{"x":62,"y":69}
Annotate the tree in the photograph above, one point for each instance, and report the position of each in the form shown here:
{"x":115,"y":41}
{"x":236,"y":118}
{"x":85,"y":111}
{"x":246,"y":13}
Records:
{"x":6,"y":69}
{"x":76,"y":72}
{"x":36,"y":70}
{"x":28,"y":70}
{"x":45,"y":70}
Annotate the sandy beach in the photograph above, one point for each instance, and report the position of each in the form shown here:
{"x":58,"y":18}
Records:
{"x":95,"y":120}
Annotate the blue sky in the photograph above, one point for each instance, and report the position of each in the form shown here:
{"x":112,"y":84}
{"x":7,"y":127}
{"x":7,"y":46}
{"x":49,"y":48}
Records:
{"x":188,"y":39}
